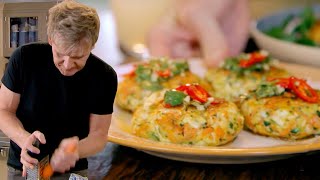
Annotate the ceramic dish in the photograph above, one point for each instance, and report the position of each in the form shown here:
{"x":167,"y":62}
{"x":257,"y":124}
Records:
{"x":284,"y":50}
{"x":247,"y":147}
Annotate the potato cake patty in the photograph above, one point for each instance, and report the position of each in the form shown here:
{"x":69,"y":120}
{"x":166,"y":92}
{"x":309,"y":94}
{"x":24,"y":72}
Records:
{"x":154,"y":76}
{"x":236,"y":78}
{"x":283,"y":111}
{"x":207,"y":123}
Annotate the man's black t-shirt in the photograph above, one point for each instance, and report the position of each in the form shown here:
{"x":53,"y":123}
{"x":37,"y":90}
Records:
{"x":58,"y":106}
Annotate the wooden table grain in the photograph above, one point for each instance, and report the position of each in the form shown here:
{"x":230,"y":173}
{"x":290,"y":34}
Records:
{"x":119,"y":162}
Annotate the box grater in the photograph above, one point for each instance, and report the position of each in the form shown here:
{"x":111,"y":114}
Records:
{"x":36,"y":172}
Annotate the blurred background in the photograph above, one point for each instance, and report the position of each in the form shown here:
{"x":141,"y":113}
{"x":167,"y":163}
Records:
{"x":131,"y":19}
{"x":261,"y":8}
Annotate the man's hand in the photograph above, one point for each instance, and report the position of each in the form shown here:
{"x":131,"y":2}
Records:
{"x":66,"y":155}
{"x":211,"y":29}
{"x":26,"y":160}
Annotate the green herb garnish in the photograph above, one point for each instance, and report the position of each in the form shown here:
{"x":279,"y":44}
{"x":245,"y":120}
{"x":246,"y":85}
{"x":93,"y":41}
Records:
{"x":174,"y":98}
{"x":267,"y":89}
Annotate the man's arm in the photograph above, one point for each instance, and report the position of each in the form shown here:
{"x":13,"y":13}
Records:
{"x":9,"y":123}
{"x":97,"y":138}
{"x":71,"y":149}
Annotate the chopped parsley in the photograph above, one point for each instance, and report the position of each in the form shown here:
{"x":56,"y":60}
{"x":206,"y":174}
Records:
{"x":233,"y":64}
{"x":174,"y":98}
{"x":266,"y":123}
{"x":154,"y":137}
{"x":151,"y":74}
{"x":268,"y":89}
{"x":295,"y":130}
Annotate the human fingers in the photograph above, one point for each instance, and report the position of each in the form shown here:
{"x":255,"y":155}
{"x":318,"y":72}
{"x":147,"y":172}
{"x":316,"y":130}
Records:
{"x":166,"y":38}
{"x":216,"y":49}
{"x":236,"y":26}
{"x":29,"y":144}
{"x":24,"y":171}
{"x":58,"y":162}
{"x":182,"y":49}
{"x":212,"y":41}
{"x":27,"y":160}
{"x":40,"y":136}
{"x":61,"y":161}
{"x":66,"y":155}
{"x":157,"y":42}
{"x":69,"y":145}
{"x":201,"y":18}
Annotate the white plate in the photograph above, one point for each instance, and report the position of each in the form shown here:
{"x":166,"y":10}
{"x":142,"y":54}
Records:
{"x":246,"y":148}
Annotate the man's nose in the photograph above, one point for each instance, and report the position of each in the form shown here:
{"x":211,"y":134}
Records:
{"x":67,"y":63}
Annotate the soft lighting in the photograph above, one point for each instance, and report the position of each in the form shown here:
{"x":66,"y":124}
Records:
{"x":141,"y":49}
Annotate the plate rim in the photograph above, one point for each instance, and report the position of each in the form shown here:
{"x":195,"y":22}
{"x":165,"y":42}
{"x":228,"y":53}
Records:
{"x":216,"y":151}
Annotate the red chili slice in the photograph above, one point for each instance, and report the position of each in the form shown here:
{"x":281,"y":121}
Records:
{"x":283,"y":82}
{"x":217,"y":101}
{"x":131,"y":73}
{"x":302,"y":89}
{"x":258,"y":56}
{"x":165,"y":73}
{"x":254,"y":58}
{"x":198,"y":93}
{"x":183,"y":87}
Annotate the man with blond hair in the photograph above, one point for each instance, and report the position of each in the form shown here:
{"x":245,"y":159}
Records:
{"x":59,"y":94}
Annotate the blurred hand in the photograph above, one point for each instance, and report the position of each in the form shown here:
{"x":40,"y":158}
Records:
{"x":26,"y":160}
{"x":211,"y":29}
{"x":66,"y":155}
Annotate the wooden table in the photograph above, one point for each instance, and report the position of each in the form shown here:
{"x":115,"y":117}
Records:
{"x":119,"y":162}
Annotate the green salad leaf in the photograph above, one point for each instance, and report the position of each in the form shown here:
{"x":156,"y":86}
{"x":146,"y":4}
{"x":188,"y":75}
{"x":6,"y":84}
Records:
{"x":295,"y":28}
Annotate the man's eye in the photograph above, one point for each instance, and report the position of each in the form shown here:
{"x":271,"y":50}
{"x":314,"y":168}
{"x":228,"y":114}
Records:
{"x":77,"y":58}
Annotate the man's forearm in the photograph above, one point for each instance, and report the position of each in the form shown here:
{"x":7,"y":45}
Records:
{"x":11,"y":126}
{"x":92,"y":144}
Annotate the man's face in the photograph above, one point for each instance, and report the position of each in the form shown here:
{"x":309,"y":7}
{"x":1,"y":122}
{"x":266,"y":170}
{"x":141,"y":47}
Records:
{"x":71,"y":62}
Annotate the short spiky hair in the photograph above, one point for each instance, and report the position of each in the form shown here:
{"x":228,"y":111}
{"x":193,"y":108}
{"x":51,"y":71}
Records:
{"x":73,"y":21}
